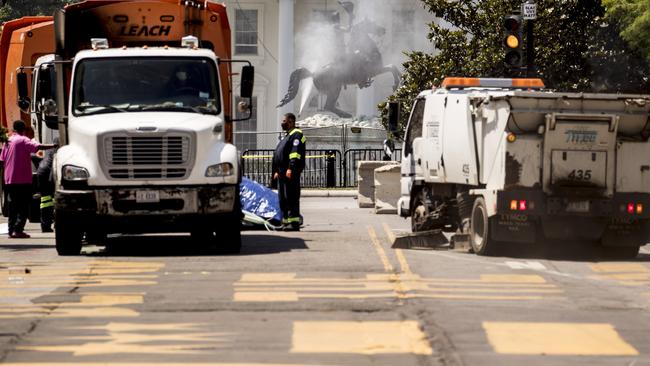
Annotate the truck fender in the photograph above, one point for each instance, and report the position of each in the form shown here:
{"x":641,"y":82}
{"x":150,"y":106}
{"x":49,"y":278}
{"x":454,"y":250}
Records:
{"x":490,"y":197}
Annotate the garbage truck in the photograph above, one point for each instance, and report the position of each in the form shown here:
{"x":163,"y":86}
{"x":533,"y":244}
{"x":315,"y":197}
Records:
{"x":140,"y":93}
{"x":503,"y":161}
{"x":22,"y":42}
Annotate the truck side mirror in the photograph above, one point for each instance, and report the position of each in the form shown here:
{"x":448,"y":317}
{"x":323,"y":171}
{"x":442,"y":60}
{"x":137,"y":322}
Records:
{"x":50,"y":114}
{"x":23,"y":91}
{"x":247,"y":81}
{"x":393,"y":117}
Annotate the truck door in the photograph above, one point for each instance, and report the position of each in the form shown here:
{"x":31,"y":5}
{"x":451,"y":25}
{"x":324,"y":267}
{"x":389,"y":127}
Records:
{"x":459,"y":147}
{"x":433,"y":166}
{"x":409,"y":168}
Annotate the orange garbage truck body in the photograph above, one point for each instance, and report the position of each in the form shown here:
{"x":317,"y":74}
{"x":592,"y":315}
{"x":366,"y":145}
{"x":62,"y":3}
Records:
{"x":153,"y":23}
{"x":22,"y":42}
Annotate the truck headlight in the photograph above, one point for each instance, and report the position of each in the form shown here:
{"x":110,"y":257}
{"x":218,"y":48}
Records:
{"x":219,"y":170}
{"x":73,"y":173}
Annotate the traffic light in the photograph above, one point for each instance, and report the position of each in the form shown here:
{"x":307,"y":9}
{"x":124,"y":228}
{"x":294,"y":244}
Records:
{"x":513,"y":40}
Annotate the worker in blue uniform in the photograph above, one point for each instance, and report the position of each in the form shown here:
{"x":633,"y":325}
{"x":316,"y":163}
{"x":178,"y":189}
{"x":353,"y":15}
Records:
{"x":288,"y":164}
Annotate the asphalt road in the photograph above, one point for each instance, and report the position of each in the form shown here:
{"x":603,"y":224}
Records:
{"x":334,"y":294}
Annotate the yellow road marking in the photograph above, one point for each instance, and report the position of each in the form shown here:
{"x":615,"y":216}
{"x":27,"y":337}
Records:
{"x":627,"y":274}
{"x":124,"y":264}
{"x":265,"y":296}
{"x":389,"y":233}
{"x":260,"y":288}
{"x":368,"y":338}
{"x":139,"y":339}
{"x":111,"y":299}
{"x":267,"y":277}
{"x":499,"y":278}
{"x":65,"y":312}
{"x":403,"y":263}
{"x":619,"y":268}
{"x":380,"y":250}
{"x":477,"y":297}
{"x":580,"y":339}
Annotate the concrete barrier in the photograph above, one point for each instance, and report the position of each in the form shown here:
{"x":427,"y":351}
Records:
{"x":366,"y":180}
{"x":387,"y":189}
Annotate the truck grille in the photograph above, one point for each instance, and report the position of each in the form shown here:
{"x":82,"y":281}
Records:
{"x":148,"y":157}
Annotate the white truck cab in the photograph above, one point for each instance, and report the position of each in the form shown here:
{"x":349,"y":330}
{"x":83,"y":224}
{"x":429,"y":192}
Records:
{"x":146,"y":148}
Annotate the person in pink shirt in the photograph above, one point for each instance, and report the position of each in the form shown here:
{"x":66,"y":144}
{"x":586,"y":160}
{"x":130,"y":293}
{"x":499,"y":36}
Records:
{"x":16,"y":158}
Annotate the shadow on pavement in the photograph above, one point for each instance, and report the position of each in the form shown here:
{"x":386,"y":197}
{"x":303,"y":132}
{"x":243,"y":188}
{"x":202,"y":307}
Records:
{"x":570,"y":251}
{"x":24,"y":247}
{"x":184,"y":245}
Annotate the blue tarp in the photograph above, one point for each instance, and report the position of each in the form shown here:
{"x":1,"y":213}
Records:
{"x":260,"y":200}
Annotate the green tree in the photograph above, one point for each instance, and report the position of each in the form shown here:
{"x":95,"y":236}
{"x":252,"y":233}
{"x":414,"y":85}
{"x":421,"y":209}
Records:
{"x":634,"y":19}
{"x":13,"y":9}
{"x":575,"y":48}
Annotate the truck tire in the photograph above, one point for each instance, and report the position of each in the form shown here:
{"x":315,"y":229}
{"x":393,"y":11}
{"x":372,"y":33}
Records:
{"x":67,"y":235}
{"x":479,"y":230}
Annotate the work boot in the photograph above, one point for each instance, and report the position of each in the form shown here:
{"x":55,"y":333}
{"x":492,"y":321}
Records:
{"x":291,"y":228}
{"x":20,"y":235}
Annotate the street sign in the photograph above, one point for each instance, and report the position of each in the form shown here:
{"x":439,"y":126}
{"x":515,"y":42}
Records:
{"x":529,"y":11}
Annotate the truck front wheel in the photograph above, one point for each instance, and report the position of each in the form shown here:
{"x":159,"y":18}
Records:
{"x":479,"y":230}
{"x":68,"y":235}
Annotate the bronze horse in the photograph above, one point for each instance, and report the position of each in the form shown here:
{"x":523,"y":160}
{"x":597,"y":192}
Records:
{"x":359,"y":64}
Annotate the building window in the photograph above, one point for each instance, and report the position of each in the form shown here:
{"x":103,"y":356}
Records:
{"x":404,"y":28}
{"x":246,"y":28}
{"x":246,"y":131}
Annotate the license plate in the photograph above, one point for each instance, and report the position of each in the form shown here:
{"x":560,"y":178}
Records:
{"x":147,"y":196}
{"x":578,"y":206}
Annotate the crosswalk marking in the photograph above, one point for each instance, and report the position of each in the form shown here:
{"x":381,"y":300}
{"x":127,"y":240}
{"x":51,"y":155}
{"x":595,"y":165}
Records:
{"x":359,"y":337}
{"x":260,"y":287}
{"x":628,"y":274}
{"x":133,"y":338}
{"x":32,"y":280}
{"x":579,"y":339}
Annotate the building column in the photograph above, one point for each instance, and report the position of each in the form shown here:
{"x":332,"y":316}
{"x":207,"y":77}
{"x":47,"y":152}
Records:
{"x":285,"y":54}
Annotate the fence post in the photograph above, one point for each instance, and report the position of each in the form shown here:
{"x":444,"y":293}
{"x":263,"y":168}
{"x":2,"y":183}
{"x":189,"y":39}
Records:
{"x":331,"y":168}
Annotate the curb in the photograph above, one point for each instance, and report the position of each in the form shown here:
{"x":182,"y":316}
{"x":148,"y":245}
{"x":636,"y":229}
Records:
{"x":329,"y":193}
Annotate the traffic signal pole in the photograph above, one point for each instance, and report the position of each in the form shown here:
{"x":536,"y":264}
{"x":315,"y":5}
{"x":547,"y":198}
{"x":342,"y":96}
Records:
{"x":529,"y":9}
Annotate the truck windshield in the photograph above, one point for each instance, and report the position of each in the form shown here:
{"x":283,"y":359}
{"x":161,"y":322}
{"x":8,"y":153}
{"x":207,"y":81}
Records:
{"x":146,"y":84}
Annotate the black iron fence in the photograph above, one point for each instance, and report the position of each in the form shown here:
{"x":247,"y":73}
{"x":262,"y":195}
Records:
{"x":323,"y":168}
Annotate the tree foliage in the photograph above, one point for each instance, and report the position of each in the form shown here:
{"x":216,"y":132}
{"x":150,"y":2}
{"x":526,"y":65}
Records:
{"x":576,"y":49}
{"x":14,"y":9}
{"x":634,"y":19}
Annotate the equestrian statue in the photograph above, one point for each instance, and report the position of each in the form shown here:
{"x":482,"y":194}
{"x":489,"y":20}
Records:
{"x":358,"y":64}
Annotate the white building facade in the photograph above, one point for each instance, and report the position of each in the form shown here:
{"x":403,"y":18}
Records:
{"x":279,"y":36}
